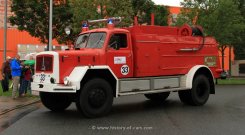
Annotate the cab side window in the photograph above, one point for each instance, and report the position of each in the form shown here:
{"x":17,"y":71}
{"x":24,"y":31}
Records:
{"x":119,"y":40}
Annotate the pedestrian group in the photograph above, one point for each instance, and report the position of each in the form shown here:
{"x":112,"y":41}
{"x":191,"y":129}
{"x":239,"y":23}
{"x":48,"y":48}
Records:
{"x":20,"y":74}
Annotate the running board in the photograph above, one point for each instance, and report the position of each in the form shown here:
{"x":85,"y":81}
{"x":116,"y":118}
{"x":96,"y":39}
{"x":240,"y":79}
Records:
{"x":150,"y":91}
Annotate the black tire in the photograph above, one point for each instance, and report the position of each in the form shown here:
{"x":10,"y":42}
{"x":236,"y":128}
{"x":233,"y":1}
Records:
{"x":78,"y":105}
{"x":185,"y":96}
{"x":199,"y":93}
{"x":96,"y":98}
{"x":55,"y":101}
{"x":158,"y":96}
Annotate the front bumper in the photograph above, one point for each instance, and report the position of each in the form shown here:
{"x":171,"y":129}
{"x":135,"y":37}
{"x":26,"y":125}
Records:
{"x":54,"y":88}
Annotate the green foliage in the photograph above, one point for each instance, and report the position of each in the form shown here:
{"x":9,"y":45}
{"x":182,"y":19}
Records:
{"x":98,"y":9}
{"x":82,"y":10}
{"x":33,"y":16}
{"x":161,"y":15}
{"x":226,"y":23}
{"x":6,"y":93}
{"x":61,"y":20}
{"x":120,"y":8}
{"x":239,"y":47}
{"x":231,"y":81}
{"x":241,"y":6}
{"x":239,"y":51}
{"x":143,"y":9}
{"x":221,"y":19}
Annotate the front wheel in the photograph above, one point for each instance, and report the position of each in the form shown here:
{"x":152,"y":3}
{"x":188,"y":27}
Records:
{"x":55,"y":101}
{"x":199,"y":93}
{"x":96,"y":98}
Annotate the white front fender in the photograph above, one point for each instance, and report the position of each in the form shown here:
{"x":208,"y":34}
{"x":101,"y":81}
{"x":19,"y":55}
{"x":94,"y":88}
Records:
{"x":190,"y":75}
{"x":77,"y":75}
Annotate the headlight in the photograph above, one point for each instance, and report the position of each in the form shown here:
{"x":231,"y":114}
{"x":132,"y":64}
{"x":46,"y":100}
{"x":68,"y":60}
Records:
{"x":66,"y":80}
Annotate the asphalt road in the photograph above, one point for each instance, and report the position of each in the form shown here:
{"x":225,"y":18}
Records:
{"x":224,"y":114}
{"x":14,"y":115}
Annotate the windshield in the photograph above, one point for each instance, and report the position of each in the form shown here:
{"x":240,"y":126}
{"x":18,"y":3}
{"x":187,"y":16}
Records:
{"x":91,"y":40}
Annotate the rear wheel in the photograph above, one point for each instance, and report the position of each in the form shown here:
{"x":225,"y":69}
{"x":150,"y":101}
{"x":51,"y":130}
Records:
{"x":55,"y":101}
{"x":199,"y":93}
{"x":96,"y":98}
{"x":158,"y":96}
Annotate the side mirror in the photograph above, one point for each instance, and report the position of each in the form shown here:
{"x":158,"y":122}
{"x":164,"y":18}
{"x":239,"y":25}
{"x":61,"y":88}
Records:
{"x":68,"y":30}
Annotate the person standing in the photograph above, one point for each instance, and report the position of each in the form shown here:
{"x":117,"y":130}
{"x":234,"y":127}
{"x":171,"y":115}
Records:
{"x":6,"y":74}
{"x":25,"y":80}
{"x":21,"y":93}
{"x":16,"y":73}
{"x":1,"y":76}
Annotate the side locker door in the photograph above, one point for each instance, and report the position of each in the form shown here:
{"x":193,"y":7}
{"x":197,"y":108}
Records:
{"x":119,"y":55}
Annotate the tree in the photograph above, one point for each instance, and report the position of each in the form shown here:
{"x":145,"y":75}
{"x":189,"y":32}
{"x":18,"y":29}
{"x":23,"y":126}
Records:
{"x":120,"y":8}
{"x":161,"y":15}
{"x":143,"y":9}
{"x":33,"y":16}
{"x":239,"y":47}
{"x":219,"y":18}
{"x":83,"y":10}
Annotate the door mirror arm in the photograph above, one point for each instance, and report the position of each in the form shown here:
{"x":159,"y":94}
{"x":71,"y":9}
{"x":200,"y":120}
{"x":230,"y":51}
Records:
{"x":114,"y":45}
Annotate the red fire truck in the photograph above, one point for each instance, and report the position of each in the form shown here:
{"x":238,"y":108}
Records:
{"x":110,"y":62}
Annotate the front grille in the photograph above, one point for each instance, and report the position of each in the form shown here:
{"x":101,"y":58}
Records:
{"x":44,"y":63}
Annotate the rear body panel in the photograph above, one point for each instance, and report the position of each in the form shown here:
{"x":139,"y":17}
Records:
{"x":159,"y":51}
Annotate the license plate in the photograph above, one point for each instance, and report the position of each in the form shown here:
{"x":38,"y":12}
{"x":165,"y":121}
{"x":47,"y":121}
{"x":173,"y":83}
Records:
{"x":42,"y":77}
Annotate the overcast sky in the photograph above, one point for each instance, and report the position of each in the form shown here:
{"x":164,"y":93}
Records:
{"x":168,"y":2}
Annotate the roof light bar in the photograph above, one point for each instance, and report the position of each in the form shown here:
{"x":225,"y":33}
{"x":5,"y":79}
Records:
{"x":110,"y":20}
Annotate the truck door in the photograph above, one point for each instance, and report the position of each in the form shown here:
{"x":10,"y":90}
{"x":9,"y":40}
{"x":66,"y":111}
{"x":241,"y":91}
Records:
{"x":119,"y":55}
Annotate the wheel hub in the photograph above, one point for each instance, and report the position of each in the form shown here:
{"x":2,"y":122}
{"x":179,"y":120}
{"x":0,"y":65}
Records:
{"x":96,"y":98}
{"x":201,"y":90}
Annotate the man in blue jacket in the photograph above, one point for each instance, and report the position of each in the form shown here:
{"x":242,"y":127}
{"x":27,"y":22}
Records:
{"x":16,"y":73}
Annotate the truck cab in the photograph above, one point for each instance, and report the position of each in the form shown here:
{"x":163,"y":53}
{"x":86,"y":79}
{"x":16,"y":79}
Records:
{"x":110,"y":62}
{"x":116,"y":46}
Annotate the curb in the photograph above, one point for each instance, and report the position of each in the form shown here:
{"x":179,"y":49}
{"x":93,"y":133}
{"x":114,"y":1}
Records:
{"x":19,"y":106}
